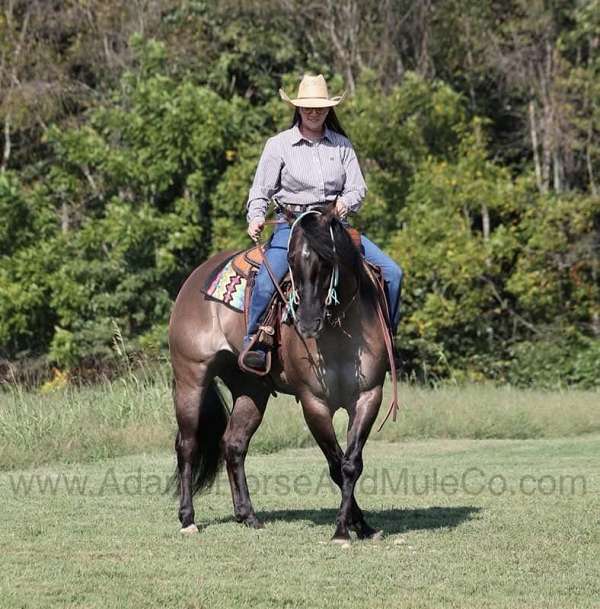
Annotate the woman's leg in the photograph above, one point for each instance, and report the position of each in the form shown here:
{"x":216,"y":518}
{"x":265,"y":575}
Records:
{"x":264,"y":288}
{"x":392,"y":275}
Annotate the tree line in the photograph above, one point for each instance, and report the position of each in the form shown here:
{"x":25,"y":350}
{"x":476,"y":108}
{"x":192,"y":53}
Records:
{"x":131,"y":131}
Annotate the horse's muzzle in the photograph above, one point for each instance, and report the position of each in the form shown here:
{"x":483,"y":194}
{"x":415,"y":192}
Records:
{"x":312,"y":328}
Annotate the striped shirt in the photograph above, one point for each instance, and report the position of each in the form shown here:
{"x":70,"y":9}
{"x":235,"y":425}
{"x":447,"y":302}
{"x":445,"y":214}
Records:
{"x":300,"y":172}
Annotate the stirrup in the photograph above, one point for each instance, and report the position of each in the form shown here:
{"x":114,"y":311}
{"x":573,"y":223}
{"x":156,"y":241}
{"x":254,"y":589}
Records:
{"x":255,"y":360}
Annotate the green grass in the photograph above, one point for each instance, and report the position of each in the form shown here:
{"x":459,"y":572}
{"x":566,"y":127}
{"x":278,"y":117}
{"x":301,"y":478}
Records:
{"x":462,"y":549}
{"x":136,"y":414}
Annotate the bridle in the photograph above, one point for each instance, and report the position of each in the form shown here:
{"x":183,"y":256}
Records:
{"x":293,"y":297}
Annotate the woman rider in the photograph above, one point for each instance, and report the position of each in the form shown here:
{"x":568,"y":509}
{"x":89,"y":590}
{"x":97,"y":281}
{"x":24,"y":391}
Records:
{"x":309,"y":164}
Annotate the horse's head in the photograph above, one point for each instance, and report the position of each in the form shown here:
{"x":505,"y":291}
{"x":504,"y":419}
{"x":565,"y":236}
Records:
{"x":319,"y":249}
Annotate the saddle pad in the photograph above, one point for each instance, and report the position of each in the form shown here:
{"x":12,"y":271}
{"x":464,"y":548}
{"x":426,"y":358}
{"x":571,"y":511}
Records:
{"x":228,"y":287}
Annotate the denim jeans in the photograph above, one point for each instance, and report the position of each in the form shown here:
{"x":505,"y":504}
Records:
{"x":277,"y":256}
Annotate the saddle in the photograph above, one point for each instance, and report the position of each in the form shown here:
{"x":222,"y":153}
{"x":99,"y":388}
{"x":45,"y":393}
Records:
{"x":248,"y":261}
{"x":232,"y":283}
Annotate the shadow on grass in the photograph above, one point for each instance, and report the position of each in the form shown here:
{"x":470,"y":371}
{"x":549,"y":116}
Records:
{"x":390,"y":521}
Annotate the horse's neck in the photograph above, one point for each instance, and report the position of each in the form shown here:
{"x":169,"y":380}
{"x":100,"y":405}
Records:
{"x":349,"y":295}
{"x":348,"y":285}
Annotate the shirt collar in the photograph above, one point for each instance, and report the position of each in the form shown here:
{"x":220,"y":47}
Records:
{"x":297,"y":137}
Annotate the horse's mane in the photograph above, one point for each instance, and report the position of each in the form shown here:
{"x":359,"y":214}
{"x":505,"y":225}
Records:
{"x":316,"y":233}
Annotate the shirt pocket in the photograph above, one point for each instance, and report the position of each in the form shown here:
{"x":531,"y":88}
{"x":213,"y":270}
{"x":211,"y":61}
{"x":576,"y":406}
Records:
{"x":333,"y":170}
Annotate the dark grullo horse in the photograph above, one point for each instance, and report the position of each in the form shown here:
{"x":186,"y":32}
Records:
{"x":333,"y":357}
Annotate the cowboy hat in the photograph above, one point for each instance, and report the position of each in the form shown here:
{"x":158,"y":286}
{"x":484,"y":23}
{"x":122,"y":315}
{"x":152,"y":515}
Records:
{"x":312,"y":93}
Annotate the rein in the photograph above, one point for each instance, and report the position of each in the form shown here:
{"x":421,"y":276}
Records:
{"x":390,"y":351}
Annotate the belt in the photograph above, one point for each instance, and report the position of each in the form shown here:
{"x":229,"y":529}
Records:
{"x":299,"y":208}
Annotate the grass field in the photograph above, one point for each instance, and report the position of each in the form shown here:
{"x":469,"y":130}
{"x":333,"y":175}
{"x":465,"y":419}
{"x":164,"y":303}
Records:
{"x":135,"y":414}
{"x":468,"y":523}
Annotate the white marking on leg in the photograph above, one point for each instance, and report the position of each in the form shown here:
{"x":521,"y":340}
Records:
{"x":192,"y":529}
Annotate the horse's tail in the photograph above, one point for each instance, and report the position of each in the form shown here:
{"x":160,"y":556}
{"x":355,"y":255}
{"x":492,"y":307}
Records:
{"x":208,"y":458}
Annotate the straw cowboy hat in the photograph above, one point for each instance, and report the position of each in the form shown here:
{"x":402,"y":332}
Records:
{"x":312,"y":93}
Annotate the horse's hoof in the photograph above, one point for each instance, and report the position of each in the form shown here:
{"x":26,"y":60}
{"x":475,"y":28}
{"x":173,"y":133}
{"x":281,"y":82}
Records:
{"x":191,"y":529}
{"x":367,"y":533}
{"x":343,"y":542}
{"x":254,"y":524}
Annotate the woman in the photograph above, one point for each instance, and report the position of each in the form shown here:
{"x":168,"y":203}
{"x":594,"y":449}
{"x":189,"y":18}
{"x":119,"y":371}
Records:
{"x":309,"y":164}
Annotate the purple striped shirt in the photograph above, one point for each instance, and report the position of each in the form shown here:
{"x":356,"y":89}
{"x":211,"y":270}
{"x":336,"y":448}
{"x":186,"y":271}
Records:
{"x":299,"y":172}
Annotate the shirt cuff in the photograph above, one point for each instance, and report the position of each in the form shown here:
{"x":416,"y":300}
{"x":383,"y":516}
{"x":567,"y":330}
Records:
{"x":257,"y":208}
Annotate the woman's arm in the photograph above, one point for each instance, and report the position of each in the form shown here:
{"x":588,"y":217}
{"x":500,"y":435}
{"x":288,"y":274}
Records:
{"x":266,"y":181}
{"x":355,"y":187}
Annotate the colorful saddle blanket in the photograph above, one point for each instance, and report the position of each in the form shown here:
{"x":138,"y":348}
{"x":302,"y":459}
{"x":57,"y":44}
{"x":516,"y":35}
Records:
{"x":228,"y":287}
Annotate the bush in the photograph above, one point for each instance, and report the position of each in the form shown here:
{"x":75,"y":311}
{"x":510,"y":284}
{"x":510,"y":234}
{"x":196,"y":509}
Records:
{"x":555,"y":364}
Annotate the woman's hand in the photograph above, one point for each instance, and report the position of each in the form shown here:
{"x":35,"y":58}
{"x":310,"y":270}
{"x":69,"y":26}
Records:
{"x":255,"y":228}
{"x":340,"y":208}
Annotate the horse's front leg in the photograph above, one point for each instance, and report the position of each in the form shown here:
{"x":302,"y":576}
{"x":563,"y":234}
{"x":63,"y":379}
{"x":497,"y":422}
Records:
{"x":318,"y":417}
{"x":361,"y":420}
{"x":249,"y":407}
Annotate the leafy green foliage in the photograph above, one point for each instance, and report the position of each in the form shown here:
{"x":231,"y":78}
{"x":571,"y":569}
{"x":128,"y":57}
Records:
{"x":556,"y":364}
{"x":556,"y":277}
{"x":130,"y":199}
{"x":394,"y":133}
{"x":489,"y":263}
{"x":476,"y":128}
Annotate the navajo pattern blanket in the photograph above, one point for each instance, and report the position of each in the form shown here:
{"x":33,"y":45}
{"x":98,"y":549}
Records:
{"x":228,"y":287}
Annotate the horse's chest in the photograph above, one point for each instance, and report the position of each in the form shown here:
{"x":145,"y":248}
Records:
{"x":334,"y":374}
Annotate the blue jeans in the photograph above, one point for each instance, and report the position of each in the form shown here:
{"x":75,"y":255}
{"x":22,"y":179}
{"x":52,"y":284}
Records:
{"x":277,"y":256}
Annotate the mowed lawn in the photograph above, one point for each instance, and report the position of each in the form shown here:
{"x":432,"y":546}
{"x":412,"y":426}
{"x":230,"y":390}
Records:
{"x":468,"y":523}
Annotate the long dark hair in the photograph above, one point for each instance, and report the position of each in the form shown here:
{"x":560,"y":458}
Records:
{"x":331,"y":121}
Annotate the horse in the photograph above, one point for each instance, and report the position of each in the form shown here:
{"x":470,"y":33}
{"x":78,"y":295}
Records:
{"x":332,"y":356}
